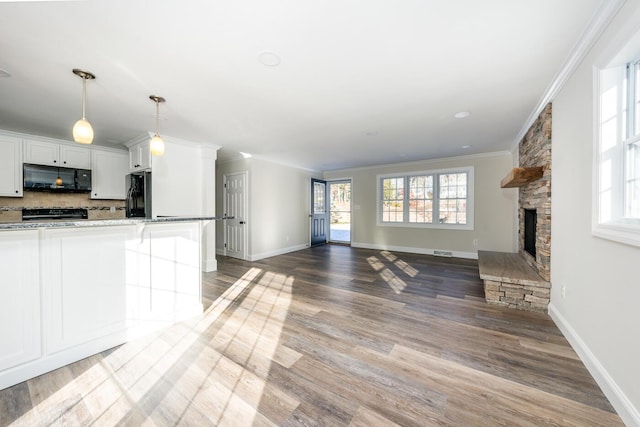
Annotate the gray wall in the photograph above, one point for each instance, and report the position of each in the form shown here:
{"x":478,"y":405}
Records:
{"x":279,"y":206}
{"x":599,"y":314}
{"x":494,"y":208}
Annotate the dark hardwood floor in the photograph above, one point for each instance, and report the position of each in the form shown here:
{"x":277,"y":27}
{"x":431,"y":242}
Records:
{"x":330,"y":336}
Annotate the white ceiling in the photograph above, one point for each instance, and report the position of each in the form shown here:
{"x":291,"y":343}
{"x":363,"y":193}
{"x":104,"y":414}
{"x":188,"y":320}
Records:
{"x":360,"y":82}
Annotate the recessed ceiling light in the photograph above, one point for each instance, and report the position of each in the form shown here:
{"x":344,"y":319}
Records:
{"x":466,"y":146}
{"x":245,"y":155}
{"x":4,"y":73}
{"x":462,"y":114}
{"x":269,"y":59}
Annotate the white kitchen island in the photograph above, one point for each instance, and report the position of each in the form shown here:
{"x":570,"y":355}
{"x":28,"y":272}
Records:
{"x":69,"y":290}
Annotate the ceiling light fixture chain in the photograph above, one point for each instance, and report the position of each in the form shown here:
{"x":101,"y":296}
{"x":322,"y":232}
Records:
{"x":82,"y":130}
{"x":157,"y":144}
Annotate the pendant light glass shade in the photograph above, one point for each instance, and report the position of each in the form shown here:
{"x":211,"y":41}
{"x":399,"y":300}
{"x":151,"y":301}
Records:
{"x":82,"y":130}
{"x":156,"y":145}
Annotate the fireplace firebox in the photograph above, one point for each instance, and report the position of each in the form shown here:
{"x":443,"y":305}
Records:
{"x":530,"y":219}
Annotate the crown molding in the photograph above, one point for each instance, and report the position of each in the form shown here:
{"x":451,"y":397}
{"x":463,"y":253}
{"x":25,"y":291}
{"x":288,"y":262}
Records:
{"x":590,"y":35}
{"x":146,"y":136}
{"x":423,"y":161}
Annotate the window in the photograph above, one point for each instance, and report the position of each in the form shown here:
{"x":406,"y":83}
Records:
{"x":632,"y":143}
{"x":617,"y":188}
{"x":421,"y":199}
{"x":393,"y":199}
{"x":435,"y":199}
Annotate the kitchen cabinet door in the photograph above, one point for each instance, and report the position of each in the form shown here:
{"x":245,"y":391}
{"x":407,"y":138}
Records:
{"x":108,"y":174}
{"x":86,"y":274}
{"x":19,"y":298}
{"x":41,"y":153}
{"x":75,"y":156}
{"x":55,"y":154}
{"x":10,"y":167}
{"x":140,"y":157}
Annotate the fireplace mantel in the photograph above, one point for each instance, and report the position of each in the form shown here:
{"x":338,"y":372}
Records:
{"x":518,"y":177}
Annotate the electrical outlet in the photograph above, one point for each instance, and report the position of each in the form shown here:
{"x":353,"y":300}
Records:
{"x":112,"y":209}
{"x":475,"y":242}
{"x":563,"y":291}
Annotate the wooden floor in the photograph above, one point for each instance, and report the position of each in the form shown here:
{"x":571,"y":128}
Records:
{"x":330,"y":336}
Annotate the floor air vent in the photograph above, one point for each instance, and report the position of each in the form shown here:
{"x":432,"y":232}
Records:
{"x":443,"y":253}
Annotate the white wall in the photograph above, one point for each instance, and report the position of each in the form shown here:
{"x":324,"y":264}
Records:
{"x":494,"y":207}
{"x":183,"y":184}
{"x":279,"y":206}
{"x":178,"y":180}
{"x":599,"y":314}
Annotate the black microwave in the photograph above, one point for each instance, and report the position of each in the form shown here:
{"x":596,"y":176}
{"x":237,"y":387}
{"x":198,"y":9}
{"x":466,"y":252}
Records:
{"x":53,"y":178}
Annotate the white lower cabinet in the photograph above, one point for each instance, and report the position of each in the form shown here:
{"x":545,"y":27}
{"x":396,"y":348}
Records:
{"x":19,"y":298}
{"x":85,"y":284}
{"x":91,"y":288}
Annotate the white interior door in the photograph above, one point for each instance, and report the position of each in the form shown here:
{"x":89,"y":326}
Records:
{"x":235,"y":205}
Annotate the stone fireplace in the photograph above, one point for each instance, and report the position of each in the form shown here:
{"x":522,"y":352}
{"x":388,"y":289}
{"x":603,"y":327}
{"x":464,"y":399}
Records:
{"x":535,"y":150}
{"x":521,"y":280}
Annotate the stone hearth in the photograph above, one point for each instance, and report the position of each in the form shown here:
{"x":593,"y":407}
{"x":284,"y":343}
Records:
{"x":510,"y":281}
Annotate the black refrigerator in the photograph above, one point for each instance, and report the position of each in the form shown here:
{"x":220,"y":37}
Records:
{"x":139,"y":195}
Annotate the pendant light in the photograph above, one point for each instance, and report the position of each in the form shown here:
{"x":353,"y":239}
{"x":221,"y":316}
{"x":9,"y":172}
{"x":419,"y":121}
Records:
{"x":157,"y":144}
{"x":82,"y":130}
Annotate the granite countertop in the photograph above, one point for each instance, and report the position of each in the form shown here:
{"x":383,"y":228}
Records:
{"x":103,"y":222}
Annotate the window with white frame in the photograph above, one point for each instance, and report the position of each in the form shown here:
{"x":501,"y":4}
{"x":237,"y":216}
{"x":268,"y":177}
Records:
{"x":617,"y":208}
{"x":632,"y":143}
{"x":436,"y":199}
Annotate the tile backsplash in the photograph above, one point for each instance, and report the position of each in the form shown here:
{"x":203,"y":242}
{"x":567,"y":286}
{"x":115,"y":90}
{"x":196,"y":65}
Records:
{"x":11,"y":207}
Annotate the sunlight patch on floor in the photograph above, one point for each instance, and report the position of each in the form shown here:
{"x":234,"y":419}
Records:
{"x":375,"y":263}
{"x":147,"y":379}
{"x":388,"y":256}
{"x":406,"y":268}
{"x":396,"y":283}
{"x":252,"y":333}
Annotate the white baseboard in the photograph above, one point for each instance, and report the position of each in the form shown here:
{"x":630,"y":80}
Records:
{"x":424,"y":251}
{"x":281,"y":251}
{"x":624,"y":407}
{"x":210,"y":265}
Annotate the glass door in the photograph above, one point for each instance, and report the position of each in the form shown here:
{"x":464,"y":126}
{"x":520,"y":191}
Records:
{"x":340,"y":211}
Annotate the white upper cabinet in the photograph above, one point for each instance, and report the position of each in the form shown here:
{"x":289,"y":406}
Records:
{"x":10,"y":167}
{"x":75,"y":156}
{"x":53,"y":154}
{"x":140,"y":157}
{"x":108,"y":174}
